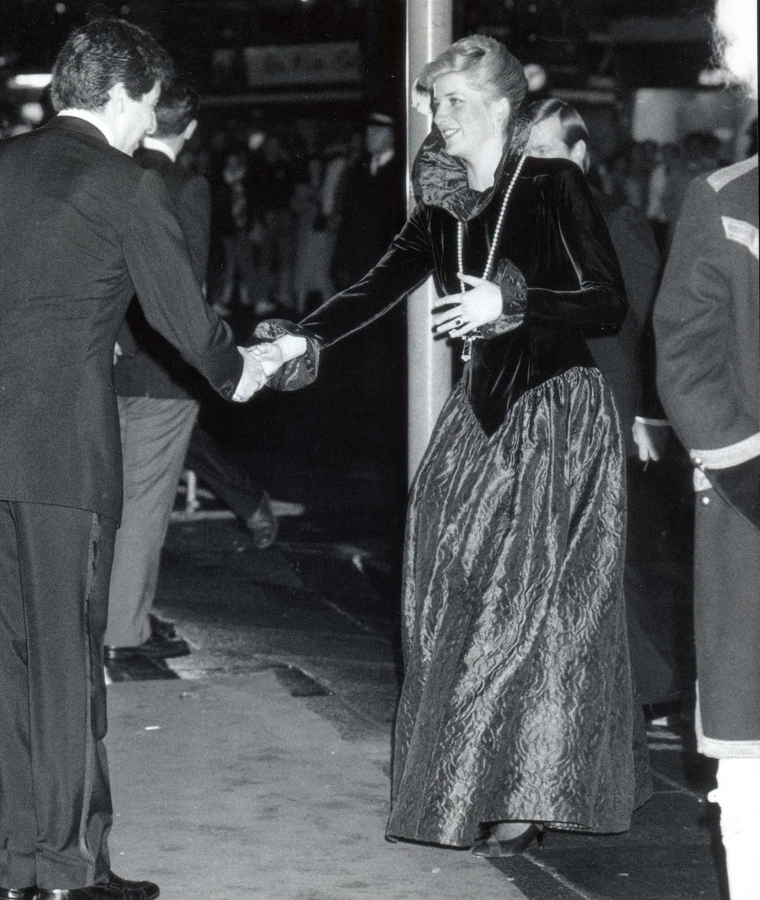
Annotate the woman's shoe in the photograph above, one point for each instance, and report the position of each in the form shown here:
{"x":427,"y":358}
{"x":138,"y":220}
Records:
{"x":490,"y":847}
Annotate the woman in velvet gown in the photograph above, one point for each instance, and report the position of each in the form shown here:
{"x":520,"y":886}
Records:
{"x":517,"y":704}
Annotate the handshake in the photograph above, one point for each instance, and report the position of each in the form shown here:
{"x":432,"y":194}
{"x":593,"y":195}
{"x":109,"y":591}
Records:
{"x":261,"y":361}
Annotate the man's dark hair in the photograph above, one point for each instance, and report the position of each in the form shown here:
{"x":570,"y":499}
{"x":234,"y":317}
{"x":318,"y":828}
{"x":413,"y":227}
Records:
{"x":102,"y":53}
{"x":176,"y":109}
{"x":572,"y":125}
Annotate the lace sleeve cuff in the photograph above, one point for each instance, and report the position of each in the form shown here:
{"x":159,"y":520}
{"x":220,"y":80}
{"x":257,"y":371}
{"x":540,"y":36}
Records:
{"x":514,"y":300}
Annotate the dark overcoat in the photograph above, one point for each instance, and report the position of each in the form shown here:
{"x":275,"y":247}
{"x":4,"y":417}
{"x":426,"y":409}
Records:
{"x":707,"y":326}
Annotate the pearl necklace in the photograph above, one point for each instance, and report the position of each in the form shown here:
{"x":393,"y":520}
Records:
{"x":476,"y":335}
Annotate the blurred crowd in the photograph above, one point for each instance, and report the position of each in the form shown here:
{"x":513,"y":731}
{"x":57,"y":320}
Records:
{"x":653,"y":177}
{"x":280,"y":200}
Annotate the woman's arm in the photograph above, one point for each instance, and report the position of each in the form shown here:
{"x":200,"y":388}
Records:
{"x":599,"y":304}
{"x":407,"y":263}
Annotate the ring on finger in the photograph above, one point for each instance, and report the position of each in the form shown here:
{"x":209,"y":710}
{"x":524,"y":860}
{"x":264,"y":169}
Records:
{"x":458,"y":322}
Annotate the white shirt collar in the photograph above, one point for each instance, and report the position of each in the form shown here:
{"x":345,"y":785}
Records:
{"x":151,"y":143}
{"x":93,"y":119}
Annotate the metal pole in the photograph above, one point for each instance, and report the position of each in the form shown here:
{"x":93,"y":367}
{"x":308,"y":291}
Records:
{"x":428,"y":32}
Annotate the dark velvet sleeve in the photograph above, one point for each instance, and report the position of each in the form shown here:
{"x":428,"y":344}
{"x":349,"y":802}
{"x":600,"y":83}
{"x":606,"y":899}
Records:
{"x":599,"y":304}
{"x":407,"y":264}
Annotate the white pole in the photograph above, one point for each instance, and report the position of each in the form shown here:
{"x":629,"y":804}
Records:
{"x":428,"y":32}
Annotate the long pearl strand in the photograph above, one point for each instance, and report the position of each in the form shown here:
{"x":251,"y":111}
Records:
{"x":476,"y":335}
{"x":496,"y":234}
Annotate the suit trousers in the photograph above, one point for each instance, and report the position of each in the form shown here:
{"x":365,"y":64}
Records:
{"x":155,"y":433}
{"x":55,"y":801}
{"x":229,"y":481}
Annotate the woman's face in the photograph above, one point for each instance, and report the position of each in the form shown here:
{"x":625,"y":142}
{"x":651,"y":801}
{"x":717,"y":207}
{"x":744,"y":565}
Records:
{"x":465,"y":116}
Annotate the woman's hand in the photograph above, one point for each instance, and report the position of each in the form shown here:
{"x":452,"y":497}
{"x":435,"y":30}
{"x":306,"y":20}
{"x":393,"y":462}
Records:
{"x":269,"y":356}
{"x":272,"y":355}
{"x":477,"y":307}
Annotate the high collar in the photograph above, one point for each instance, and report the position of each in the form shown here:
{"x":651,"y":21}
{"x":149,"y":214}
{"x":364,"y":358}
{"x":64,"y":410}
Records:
{"x":441,"y":180}
{"x":85,"y":115}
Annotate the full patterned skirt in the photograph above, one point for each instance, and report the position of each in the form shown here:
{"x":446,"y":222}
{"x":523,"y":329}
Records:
{"x":517,"y":700}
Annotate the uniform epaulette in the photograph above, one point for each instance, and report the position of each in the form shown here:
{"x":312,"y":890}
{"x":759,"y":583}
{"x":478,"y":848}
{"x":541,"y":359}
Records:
{"x":718,"y":180}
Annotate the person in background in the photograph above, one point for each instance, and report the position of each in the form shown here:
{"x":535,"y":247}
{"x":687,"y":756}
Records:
{"x":239,"y":282}
{"x":666,"y":158}
{"x":83,"y":227}
{"x":374,"y":182}
{"x":558,"y":131}
{"x":274,"y":176}
{"x":157,"y":411}
{"x":313,"y":240}
{"x":707,"y":322}
{"x":698,"y":154}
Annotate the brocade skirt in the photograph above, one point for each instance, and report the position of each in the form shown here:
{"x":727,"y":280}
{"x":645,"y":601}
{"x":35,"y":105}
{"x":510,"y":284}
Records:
{"x":517,"y":700}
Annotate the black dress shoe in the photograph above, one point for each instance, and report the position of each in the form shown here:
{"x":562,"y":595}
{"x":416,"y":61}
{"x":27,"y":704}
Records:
{"x":113,"y":888}
{"x":29,"y":893}
{"x":161,"y":626}
{"x":156,"y":647}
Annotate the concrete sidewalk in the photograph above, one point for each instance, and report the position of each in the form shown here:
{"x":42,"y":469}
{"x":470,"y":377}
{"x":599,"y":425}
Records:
{"x":229,"y":788}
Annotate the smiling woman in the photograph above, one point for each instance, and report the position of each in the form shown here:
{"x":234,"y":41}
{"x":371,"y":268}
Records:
{"x":516,"y":711}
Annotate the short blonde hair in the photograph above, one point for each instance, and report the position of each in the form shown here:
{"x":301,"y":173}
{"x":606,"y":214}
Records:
{"x":486,"y":62}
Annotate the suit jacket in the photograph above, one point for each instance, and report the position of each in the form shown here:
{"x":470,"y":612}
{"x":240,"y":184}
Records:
{"x":623,"y":358}
{"x":150,"y":366}
{"x":707,"y":325}
{"x":83,"y":228}
{"x":371,"y":213}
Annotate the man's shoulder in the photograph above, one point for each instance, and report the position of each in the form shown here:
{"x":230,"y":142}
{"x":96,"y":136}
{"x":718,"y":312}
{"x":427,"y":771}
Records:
{"x":734,"y":177}
{"x":731,"y":192}
{"x":178,"y":179}
{"x":613,"y":209}
{"x":54,"y":155}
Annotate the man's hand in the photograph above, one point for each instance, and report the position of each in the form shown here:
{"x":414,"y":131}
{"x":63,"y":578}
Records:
{"x":253,"y":378}
{"x":650,"y":440}
{"x":269,"y":355}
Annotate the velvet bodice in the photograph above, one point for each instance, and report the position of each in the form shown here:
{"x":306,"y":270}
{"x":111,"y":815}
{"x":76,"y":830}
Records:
{"x":552,"y":233}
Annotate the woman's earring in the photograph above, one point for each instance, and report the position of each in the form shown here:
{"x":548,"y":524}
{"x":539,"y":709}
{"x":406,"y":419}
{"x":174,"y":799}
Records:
{"x":496,"y":128}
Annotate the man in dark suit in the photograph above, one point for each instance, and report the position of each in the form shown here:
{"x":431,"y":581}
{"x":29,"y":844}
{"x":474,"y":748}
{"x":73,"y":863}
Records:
{"x":626,"y":361}
{"x":157,"y":406}
{"x":83,"y":228}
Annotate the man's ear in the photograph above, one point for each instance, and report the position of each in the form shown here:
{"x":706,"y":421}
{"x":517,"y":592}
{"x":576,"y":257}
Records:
{"x":190,"y":130}
{"x":118,"y":96}
{"x":578,"y":153}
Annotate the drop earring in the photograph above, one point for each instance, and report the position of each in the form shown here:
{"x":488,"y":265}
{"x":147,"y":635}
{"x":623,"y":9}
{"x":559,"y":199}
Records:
{"x":496,"y":128}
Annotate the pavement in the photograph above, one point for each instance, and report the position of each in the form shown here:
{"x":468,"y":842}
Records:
{"x":258,"y":766}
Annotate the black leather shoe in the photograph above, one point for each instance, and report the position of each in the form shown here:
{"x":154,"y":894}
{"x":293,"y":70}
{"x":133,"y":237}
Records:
{"x":156,"y":647}
{"x":29,"y":893}
{"x":161,"y":626}
{"x":113,"y":888}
